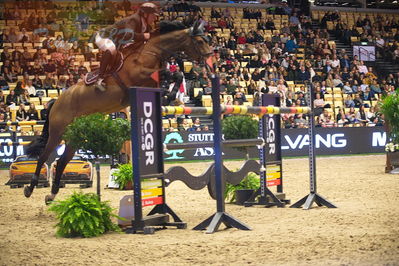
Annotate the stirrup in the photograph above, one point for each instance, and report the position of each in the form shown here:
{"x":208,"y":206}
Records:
{"x":99,"y":85}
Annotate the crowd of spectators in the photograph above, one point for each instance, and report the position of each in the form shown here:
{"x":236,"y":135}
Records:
{"x":287,"y":59}
{"x":278,"y":51}
{"x":382,"y":31}
{"x":48,"y":46}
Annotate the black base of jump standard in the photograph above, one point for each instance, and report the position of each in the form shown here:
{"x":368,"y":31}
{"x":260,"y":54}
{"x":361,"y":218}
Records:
{"x":157,"y":219}
{"x":213,"y":222}
{"x":269,"y":200}
{"x":308,"y":201}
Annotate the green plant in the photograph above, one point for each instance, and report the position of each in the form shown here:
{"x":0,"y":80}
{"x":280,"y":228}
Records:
{"x":251,"y":181}
{"x":98,"y":134}
{"x":123,"y":175}
{"x":83,"y":215}
{"x":390,"y":108}
{"x":240,"y":127}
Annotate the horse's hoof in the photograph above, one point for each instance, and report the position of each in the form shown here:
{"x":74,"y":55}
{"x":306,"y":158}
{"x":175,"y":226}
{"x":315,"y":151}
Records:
{"x":27,"y":191}
{"x":48,"y":199}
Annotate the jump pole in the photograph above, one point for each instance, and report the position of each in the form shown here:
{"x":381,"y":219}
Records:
{"x":221,"y":216}
{"x":313,"y":196}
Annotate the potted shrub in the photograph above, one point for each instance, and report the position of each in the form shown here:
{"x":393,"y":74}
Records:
{"x":123,"y":176}
{"x":98,"y":134}
{"x":241,"y":192}
{"x":390,"y":108}
{"x":240,"y":127}
{"x":83,"y":215}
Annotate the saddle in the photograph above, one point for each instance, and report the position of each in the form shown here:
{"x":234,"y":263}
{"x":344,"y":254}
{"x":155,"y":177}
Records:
{"x":92,"y":76}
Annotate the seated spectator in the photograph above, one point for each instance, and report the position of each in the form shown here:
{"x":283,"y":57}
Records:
{"x":21,"y":114}
{"x":329,"y":122}
{"x":51,"y":48}
{"x":23,"y":36}
{"x":337,"y":81}
{"x":37,"y":82}
{"x":303,"y":74}
{"x":43,"y":112}
{"x":355,"y":86}
{"x":362,"y":68}
{"x":12,"y":99}
{"x":3,"y":119}
{"x":358,"y":100}
{"x":19,"y":88}
{"x":318,"y":104}
{"x":26,"y":56}
{"x":293,"y":73}
{"x":342,"y":121}
{"x":349,"y":102}
{"x":12,"y":36}
{"x":347,"y":88}
{"x":256,"y":75}
{"x":323,"y":117}
{"x":229,"y":100}
{"x":184,"y":125}
{"x":289,"y":122}
{"x":215,"y":13}
{"x":239,"y":97}
{"x":375,"y":88}
{"x":32,"y":113}
{"x":49,"y":82}
{"x":196,"y":125}
{"x":289,"y":101}
{"x":299,"y":120}
{"x":24,"y":98}
{"x":3,"y":83}
{"x":241,"y":40}
{"x":326,"y":50}
{"x":5,"y":56}
{"x":2,"y":98}
{"x":335,"y":63}
{"x":351,"y":115}
{"x":30,"y":88}
{"x":291,"y":45}
{"x":367,"y":95}
{"x":361,"y":116}
{"x":36,"y":69}
{"x":371,"y":115}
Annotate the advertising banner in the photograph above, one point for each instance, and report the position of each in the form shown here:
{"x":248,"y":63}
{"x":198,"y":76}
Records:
{"x":294,"y":142}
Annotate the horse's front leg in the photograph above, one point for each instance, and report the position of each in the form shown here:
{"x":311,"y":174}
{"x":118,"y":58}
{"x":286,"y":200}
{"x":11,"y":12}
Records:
{"x":61,"y":164}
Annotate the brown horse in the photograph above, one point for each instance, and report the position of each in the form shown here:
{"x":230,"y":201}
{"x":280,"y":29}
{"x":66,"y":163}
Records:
{"x":81,"y":100}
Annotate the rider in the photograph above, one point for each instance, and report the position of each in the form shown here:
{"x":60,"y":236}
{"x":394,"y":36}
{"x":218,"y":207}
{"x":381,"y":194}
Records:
{"x":133,"y":29}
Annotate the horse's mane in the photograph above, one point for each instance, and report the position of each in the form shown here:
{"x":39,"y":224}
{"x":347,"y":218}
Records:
{"x":170,"y":26}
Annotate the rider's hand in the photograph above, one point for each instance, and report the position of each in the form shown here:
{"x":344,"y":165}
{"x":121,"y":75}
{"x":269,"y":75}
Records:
{"x":146,"y":36}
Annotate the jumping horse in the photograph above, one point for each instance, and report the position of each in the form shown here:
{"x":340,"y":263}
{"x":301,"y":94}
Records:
{"x":82,"y":99}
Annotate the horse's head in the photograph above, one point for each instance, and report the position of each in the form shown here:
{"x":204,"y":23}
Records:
{"x":199,"y":48}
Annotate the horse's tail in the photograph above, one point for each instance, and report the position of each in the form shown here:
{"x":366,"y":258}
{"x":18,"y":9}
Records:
{"x":36,"y":147}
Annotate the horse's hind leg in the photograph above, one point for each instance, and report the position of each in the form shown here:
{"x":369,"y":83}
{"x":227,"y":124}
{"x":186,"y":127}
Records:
{"x":61,"y":164}
{"x":52,"y":142}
